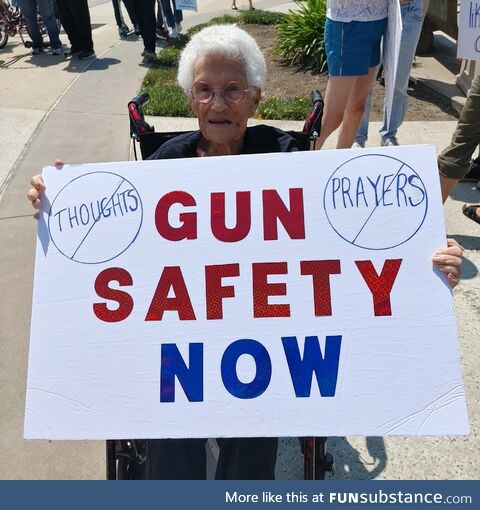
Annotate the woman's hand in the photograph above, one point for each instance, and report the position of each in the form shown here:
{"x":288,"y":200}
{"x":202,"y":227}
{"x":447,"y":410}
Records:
{"x":448,"y":260}
{"x":38,"y":187}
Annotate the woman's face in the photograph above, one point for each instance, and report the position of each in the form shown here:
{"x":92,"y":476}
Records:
{"x":220,"y":122}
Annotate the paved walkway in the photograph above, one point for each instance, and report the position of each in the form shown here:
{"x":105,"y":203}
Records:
{"x":76,"y":111}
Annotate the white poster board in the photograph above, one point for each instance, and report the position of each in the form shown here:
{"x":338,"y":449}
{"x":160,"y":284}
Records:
{"x":186,"y":5}
{"x":391,"y":50}
{"x":157,"y":313}
{"x":469,"y":30}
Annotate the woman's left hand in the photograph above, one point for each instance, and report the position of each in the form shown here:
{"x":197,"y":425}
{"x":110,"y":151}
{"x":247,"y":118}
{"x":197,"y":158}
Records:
{"x":448,"y":260}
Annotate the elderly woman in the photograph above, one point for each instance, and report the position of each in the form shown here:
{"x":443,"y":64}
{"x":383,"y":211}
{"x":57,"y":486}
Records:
{"x":222,"y":70}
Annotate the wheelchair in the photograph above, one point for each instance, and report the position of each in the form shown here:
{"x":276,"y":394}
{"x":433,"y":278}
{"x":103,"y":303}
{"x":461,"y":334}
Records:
{"x":126,"y":458}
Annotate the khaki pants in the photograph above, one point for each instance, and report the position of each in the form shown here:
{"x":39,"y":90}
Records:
{"x":454,"y":161}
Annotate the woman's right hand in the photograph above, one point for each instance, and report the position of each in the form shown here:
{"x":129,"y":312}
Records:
{"x":38,"y":186}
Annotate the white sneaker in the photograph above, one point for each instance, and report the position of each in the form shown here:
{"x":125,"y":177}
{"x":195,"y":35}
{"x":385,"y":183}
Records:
{"x":173,"y":33}
{"x":358,"y":145}
{"x":390,"y":141}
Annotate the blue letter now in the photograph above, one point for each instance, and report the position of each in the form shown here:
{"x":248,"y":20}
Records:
{"x":229,"y":369}
{"x":191,"y":379}
{"x":325,"y":368}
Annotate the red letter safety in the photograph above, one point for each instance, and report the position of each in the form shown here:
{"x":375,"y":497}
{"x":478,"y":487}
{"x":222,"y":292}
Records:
{"x":171,"y":278}
{"x":380,"y":286}
{"x":262,"y":290}
{"x":215,"y":291}
{"x":124,"y":300}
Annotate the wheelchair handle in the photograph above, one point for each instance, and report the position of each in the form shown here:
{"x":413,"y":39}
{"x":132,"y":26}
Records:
{"x":313,"y":123}
{"x":138,"y":125}
{"x":140,"y":100}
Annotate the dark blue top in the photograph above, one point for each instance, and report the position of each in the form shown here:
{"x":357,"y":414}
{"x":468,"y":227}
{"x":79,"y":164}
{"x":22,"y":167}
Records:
{"x":258,"y":140}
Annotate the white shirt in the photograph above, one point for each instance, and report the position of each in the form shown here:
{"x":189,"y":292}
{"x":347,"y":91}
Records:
{"x":357,"y":10}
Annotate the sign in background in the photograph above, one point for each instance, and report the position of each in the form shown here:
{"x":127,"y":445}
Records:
{"x":186,"y":5}
{"x":264,"y":295}
{"x":469,"y":30}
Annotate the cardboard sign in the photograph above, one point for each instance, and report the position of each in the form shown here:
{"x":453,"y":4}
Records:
{"x":469,"y":30}
{"x":261,"y":295}
{"x":186,"y":5}
{"x":391,"y":51}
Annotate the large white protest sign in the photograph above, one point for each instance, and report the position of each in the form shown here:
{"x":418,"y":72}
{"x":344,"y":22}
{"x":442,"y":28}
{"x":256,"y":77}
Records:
{"x":259,"y":295}
{"x":391,"y":50}
{"x":469,"y":30}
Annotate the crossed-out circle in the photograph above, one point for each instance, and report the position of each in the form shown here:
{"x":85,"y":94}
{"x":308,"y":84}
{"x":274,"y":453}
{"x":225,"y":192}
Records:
{"x":375,"y":201}
{"x":95,"y":217}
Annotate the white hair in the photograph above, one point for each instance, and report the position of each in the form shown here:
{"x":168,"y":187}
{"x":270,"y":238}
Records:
{"x":227,"y":41}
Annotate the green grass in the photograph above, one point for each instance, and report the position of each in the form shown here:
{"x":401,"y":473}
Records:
{"x":168,"y":57}
{"x":291,"y":108}
{"x":167,"y":99}
{"x":260,"y":17}
{"x":226,"y":19}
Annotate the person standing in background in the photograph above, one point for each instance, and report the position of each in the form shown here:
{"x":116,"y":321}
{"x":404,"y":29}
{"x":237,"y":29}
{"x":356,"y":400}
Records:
{"x":455,"y":160}
{"x":122,"y":27}
{"x":147,"y":21}
{"x":173,"y":16}
{"x":413,"y":13}
{"x":75,"y":18}
{"x":235,"y":8}
{"x":29,"y":9}
{"x":353,"y":33}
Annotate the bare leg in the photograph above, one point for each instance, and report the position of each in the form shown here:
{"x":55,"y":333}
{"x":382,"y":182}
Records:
{"x":355,"y":107}
{"x":447,"y":185}
{"x":337,"y":95}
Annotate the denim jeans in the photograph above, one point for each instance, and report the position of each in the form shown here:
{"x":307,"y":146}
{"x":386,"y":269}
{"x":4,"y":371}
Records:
{"x":172,"y":15}
{"x":45,"y":7}
{"x":412,"y":19}
{"x":118,"y":12}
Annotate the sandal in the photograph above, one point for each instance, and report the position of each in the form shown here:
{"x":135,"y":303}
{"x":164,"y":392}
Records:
{"x":470,"y":211}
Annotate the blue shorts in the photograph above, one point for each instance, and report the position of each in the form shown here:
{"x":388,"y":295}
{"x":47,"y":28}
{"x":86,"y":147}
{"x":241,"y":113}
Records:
{"x":353,"y":48}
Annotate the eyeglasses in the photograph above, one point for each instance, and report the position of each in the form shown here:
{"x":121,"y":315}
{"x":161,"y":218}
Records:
{"x":233,"y":92}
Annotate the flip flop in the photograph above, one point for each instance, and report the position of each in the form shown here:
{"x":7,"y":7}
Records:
{"x":470,"y":211}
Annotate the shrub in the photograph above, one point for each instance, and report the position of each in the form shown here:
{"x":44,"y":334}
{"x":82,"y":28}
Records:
{"x":168,"y":57}
{"x":260,"y":17}
{"x":291,"y":108}
{"x":300,"y":35}
{"x":166,"y":97}
{"x":226,"y":19}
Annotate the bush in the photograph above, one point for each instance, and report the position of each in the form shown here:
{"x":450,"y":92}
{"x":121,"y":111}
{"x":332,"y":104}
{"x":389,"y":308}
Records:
{"x":300,"y":36}
{"x":260,"y":17}
{"x":166,"y":97}
{"x":226,"y":19}
{"x":291,"y":108}
{"x":168,"y":57}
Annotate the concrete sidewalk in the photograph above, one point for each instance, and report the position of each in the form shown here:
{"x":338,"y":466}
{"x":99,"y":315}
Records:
{"x":76,"y":111}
